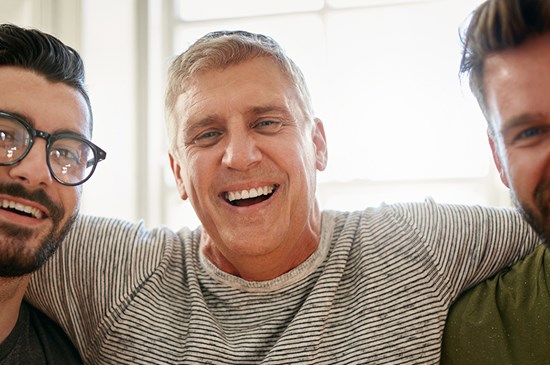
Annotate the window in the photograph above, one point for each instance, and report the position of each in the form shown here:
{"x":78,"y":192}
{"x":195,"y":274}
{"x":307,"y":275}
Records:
{"x":384,"y":79}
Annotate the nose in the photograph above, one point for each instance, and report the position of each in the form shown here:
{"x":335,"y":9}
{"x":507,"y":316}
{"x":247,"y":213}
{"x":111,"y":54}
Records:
{"x":33,"y":169}
{"x":241,"y":152}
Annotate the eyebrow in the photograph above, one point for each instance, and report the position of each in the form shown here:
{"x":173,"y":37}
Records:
{"x":214,"y":118}
{"x":523,"y":119}
{"x":33,"y":124}
{"x":201,"y":123}
{"x":267,"y":109}
{"x":15,"y":114}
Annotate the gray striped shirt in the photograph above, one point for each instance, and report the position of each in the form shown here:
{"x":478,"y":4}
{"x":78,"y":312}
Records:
{"x":376,"y":291}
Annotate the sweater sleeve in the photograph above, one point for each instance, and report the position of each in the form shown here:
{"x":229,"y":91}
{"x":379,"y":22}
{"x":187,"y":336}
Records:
{"x":469,"y":243}
{"x":99,"y":266}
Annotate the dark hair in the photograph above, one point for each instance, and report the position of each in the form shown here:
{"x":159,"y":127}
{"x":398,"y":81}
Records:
{"x":497,"y":25}
{"x":44,"y":54}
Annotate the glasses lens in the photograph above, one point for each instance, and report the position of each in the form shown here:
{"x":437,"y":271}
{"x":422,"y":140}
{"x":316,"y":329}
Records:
{"x":71,"y":160}
{"x":14,"y":140}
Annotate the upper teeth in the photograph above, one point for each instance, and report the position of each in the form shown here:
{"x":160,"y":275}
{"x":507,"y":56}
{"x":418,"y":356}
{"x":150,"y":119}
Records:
{"x":23,"y":208}
{"x":246,"y":194}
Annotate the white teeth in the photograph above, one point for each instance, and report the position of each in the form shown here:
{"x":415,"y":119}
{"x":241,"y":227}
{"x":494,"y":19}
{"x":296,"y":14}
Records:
{"x":246,"y":194}
{"x":23,"y":208}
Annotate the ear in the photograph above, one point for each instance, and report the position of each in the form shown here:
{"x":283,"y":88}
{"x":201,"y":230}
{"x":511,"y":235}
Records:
{"x":320,"y":143}
{"x":176,"y":170}
{"x":497,"y":160}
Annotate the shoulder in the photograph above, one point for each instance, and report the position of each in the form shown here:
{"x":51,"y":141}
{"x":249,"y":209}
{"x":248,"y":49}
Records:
{"x":109,"y":227}
{"x":431,"y":214}
{"x":506,"y":286}
{"x":429,"y":217}
{"x":41,"y":340}
{"x":99,"y":250}
{"x":108,"y":233}
{"x":502,"y":318}
{"x":430,"y":208}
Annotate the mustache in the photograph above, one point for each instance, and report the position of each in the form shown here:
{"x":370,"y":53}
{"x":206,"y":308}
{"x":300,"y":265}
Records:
{"x":56,"y":211}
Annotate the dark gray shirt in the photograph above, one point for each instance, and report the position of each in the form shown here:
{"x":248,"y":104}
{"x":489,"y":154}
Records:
{"x":37,"y":340}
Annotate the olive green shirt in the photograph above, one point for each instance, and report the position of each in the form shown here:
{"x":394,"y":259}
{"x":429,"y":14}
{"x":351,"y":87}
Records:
{"x":505,"y":319}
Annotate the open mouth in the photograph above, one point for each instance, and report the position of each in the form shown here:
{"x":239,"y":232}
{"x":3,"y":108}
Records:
{"x":245,"y":198}
{"x":21,"y":209}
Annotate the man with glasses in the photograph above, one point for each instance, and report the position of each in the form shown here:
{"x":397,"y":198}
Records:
{"x":45,"y":154}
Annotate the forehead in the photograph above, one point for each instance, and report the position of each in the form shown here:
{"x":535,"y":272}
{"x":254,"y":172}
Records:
{"x":517,"y":80}
{"x":48,"y":106}
{"x":251,"y":83}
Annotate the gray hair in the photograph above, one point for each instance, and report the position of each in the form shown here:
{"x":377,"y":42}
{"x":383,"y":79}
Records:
{"x":221,"y":49}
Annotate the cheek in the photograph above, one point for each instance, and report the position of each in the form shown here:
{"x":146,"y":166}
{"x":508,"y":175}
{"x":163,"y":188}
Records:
{"x":74,"y":201}
{"x":526,"y":171}
{"x":197,"y":168}
{"x":302,"y":160}
{"x":69,"y":200}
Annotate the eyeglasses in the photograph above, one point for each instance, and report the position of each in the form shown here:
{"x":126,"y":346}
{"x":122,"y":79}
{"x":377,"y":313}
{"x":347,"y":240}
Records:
{"x":71,"y":159}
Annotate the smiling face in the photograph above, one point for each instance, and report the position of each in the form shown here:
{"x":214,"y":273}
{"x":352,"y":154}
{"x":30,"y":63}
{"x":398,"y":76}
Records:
{"x":246,"y":157}
{"x":517,"y":84}
{"x":35,"y":209}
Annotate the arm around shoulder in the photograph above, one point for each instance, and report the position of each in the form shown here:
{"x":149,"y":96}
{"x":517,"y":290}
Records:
{"x":100,"y":261}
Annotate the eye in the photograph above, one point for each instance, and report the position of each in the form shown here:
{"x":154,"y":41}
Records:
{"x":10,"y":143}
{"x":11,"y":135}
{"x":531,"y":132}
{"x":70,"y":152}
{"x":5,"y":136}
{"x":267,"y":126}
{"x":65,"y":157}
{"x":207,"y":138}
{"x":530,"y":135}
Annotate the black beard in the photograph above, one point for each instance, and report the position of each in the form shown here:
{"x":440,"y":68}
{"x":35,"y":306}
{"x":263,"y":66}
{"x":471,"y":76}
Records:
{"x":15,"y":258}
{"x":538,"y":218}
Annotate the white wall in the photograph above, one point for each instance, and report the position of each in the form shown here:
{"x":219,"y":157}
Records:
{"x":109,"y":52}
{"x":103,"y":31}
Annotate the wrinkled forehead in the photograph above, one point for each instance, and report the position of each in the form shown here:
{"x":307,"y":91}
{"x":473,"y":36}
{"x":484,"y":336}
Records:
{"x":252,"y":84}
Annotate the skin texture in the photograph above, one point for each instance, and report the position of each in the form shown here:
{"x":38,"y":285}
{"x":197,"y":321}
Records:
{"x":517,"y":82}
{"x":25,"y":242}
{"x":241,"y":128}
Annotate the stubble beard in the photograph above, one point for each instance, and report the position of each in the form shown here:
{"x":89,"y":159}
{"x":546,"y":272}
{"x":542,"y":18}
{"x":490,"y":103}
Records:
{"x":539,"y":217}
{"x":17,"y":257}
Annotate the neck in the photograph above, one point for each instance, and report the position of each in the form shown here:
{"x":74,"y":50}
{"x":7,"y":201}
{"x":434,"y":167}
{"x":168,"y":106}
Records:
{"x":271,"y":265}
{"x":12,"y":291}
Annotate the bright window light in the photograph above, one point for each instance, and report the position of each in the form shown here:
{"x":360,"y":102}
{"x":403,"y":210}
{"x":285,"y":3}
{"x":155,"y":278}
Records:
{"x":384,"y":80}
{"x":193,"y":10}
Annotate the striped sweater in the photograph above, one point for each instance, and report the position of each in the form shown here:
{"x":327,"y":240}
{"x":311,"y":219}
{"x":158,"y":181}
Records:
{"x":376,"y":291}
